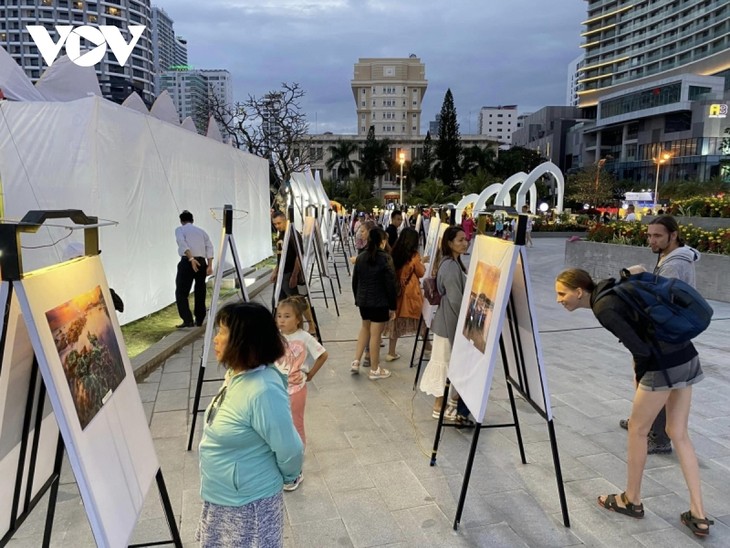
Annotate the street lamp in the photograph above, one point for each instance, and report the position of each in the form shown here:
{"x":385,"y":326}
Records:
{"x":659,"y":160}
{"x":401,"y":161}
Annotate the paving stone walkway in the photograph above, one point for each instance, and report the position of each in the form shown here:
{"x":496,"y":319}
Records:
{"x":367,"y":476}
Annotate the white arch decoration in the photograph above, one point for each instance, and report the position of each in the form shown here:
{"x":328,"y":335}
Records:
{"x":465,"y":201}
{"x":503,"y":198}
{"x":529,"y":185}
{"x":487,"y":193}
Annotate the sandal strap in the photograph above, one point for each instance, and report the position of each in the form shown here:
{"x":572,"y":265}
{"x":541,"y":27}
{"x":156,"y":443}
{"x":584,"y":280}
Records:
{"x":630,"y":506}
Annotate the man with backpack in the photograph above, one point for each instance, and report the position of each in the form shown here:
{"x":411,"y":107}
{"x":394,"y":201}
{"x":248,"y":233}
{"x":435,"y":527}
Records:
{"x":675,"y":260}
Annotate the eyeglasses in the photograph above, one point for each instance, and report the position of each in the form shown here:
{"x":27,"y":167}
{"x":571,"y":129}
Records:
{"x":217,"y":402}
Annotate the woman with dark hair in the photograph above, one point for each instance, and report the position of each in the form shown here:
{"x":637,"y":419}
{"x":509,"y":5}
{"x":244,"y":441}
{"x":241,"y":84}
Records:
{"x":374,"y":287}
{"x":450,"y":281}
{"x":664,"y":375}
{"x":250,"y":447}
{"x":409,"y":270}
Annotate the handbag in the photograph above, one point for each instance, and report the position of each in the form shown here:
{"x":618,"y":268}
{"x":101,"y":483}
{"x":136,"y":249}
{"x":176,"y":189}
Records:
{"x":430,"y":291}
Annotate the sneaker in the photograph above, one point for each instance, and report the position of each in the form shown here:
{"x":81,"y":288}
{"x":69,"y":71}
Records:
{"x":296,"y":483}
{"x":185,"y":325}
{"x":655,"y":448}
{"x":355,"y":367}
{"x":624,"y":423}
{"x":392,"y":358}
{"x":379,"y":373}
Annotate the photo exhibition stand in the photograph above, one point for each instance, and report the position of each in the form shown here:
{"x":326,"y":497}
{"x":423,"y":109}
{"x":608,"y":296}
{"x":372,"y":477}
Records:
{"x":314,"y":246}
{"x":521,"y":355}
{"x":33,"y":439}
{"x":303,"y":291}
{"x":342,"y":242}
{"x":227,"y":243}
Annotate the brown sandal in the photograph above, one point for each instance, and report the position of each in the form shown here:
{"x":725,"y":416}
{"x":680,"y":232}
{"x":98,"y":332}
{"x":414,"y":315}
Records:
{"x":629,"y":508}
{"x":694,"y":524}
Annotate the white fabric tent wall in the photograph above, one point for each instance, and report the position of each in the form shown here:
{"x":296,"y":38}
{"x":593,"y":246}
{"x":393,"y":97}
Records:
{"x":119,"y":164}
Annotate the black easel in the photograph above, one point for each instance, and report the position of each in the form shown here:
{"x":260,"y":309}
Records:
{"x":519,"y":385}
{"x":227,"y":242}
{"x":11,"y":269}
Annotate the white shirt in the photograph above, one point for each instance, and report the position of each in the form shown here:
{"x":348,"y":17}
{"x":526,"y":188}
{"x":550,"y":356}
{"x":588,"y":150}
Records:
{"x":195,"y":239}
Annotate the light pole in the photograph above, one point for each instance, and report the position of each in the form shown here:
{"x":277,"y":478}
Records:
{"x":659,"y":160}
{"x":401,"y":161}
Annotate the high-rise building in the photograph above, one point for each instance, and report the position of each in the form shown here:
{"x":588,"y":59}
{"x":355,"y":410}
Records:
{"x":116,"y":81}
{"x":388,"y":94}
{"x":574,"y":74}
{"x":163,"y":41}
{"x":632,"y":42}
{"x":191,"y":91}
{"x":180,"y":56}
{"x":433,"y":126}
{"x":498,"y":122}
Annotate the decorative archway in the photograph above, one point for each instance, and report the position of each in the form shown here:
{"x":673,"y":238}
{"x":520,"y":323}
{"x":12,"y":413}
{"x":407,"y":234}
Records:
{"x":529,"y":185}
{"x":485,"y":194}
{"x":503,"y":198}
{"x":465,"y":201}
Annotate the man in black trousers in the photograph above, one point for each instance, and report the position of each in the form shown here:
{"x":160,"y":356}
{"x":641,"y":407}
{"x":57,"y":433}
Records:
{"x":196,"y":262}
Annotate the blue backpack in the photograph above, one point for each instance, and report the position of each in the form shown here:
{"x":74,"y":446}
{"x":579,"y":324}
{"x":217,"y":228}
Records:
{"x":675,"y":310}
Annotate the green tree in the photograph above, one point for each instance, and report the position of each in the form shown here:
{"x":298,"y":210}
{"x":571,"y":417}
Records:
{"x":448,"y":146}
{"x":516,"y":159}
{"x":420,"y":169}
{"x":335,"y":190}
{"x":476,"y":158}
{"x":430,"y":191}
{"x":340,"y":160}
{"x":361,"y":194}
{"x":375,"y":158}
{"x":591,"y":186}
{"x":474,"y":183}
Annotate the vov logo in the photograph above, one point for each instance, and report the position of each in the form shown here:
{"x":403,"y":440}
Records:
{"x":102,"y":37}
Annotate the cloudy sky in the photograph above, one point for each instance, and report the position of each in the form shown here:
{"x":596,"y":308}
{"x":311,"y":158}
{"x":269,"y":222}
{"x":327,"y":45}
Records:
{"x":489,"y":52}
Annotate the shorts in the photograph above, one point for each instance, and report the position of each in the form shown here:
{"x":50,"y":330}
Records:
{"x":377,"y":314}
{"x":680,"y":376}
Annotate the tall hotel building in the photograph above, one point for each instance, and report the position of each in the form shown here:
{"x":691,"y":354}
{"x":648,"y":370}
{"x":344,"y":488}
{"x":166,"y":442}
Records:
{"x":116,"y":82}
{"x":630,"y":42}
{"x":388,"y":94}
{"x":654,"y":81}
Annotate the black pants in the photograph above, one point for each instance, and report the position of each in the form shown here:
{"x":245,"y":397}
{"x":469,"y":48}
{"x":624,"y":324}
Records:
{"x":183,"y":282}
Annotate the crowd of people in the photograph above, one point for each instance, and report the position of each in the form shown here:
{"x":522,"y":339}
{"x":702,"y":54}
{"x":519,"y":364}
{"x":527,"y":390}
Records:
{"x":254,"y":430}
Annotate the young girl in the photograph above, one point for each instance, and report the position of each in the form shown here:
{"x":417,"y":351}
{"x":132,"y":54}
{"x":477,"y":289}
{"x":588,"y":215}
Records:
{"x":303,"y":357}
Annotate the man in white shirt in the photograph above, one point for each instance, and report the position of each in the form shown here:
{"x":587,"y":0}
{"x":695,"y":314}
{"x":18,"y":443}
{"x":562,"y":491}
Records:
{"x":196,"y":262}
{"x":630,"y":214}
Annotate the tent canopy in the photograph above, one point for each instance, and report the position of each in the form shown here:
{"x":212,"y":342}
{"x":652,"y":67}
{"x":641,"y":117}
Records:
{"x":120,"y":164}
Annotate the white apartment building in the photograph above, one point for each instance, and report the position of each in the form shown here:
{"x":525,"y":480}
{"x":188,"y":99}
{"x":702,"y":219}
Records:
{"x":190,"y":89}
{"x":388,"y":94}
{"x":632,"y":42}
{"x":498,"y":122}
{"x":574,"y":74}
{"x":116,"y":82}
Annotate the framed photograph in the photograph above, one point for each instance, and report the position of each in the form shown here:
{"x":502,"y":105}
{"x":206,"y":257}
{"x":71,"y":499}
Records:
{"x":81,"y":355}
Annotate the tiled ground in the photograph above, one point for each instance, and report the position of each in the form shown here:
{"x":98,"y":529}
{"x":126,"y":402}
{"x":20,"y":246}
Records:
{"x":367,"y":476}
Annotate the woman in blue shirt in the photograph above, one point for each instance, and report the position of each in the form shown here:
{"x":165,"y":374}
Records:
{"x":250,"y":447}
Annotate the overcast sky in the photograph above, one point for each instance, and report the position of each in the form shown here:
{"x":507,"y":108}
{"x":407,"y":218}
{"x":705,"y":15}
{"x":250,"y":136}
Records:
{"x":489,"y":52}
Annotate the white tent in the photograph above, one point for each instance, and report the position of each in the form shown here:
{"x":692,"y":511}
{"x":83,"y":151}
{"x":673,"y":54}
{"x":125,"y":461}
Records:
{"x":120,"y":164}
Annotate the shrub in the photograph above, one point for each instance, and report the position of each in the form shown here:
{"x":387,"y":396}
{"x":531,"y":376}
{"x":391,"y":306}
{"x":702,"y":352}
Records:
{"x":621,"y":232}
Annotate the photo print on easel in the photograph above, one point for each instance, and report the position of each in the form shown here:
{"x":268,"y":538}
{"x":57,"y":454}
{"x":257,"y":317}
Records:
{"x":478,"y":314}
{"x":88,"y":350}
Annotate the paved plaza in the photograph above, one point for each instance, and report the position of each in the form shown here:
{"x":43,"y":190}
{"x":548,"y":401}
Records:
{"x":367,"y":479}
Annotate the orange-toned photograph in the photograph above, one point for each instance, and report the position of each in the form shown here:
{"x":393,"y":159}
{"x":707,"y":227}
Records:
{"x":89,"y":351}
{"x":478,"y":315}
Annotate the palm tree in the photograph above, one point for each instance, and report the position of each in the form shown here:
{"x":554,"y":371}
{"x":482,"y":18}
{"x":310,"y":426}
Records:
{"x":339,"y":159}
{"x":476,"y":158}
{"x":376,"y":158}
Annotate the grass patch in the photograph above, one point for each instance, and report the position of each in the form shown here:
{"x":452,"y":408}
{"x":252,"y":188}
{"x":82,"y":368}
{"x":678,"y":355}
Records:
{"x":140,"y":334}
